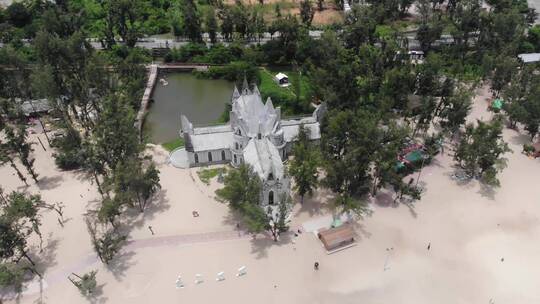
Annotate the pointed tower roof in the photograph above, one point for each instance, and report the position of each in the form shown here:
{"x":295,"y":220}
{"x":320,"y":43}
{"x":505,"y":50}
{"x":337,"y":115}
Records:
{"x":235,"y":94}
{"x":256,"y":90}
{"x":245,"y":87}
{"x":269,"y":105}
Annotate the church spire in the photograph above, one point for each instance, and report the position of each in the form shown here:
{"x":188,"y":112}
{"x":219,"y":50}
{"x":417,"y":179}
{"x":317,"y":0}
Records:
{"x":235,"y":94}
{"x":269,"y":105}
{"x":256,"y":90}
{"x":245,"y":86}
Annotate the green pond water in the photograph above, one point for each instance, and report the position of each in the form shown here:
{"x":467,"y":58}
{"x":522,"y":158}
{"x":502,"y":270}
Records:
{"x":201,"y":100}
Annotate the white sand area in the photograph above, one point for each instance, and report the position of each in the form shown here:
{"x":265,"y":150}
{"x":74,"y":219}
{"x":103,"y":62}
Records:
{"x":470,"y":229}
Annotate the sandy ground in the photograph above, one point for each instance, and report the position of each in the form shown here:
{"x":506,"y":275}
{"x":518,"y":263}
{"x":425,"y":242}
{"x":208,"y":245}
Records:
{"x":470,"y":228}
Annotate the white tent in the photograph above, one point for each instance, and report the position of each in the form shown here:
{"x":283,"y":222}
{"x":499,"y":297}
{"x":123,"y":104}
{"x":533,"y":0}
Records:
{"x":282,"y":79}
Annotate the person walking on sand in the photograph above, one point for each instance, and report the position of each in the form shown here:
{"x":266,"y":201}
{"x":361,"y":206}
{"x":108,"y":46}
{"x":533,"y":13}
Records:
{"x":151,"y":230}
{"x":429,"y":246}
{"x":316,"y":265}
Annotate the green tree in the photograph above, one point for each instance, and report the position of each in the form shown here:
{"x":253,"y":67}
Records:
{"x":135,"y":183}
{"x":359,"y":28}
{"x":304,"y":165}
{"x":125,"y":16}
{"x":348,"y":146}
{"x":522,"y":103}
{"x":390,"y":140}
{"x":242,"y":191}
{"x":16,"y":143}
{"x":18,"y":15}
{"x":86,"y":283}
{"x":277,"y":221}
{"x":106,"y":244}
{"x":115,"y":137}
{"x":306,"y":12}
{"x":242,"y":187}
{"x":211,"y":25}
{"x":455,"y":109}
{"x":7,"y":155}
{"x":20,"y":221}
{"x":12,"y":275}
{"x":504,"y":68}
{"x":240,"y":16}
{"x":192,"y":22}
{"x":481,"y":149}
{"x":109,"y":210}
{"x":320,"y":5}
{"x":348,"y":204}
{"x":464,"y":19}
{"x":227,"y":23}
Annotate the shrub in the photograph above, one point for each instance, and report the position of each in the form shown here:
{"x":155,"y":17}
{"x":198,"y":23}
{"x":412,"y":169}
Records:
{"x":234,"y":71}
{"x":186,"y":53}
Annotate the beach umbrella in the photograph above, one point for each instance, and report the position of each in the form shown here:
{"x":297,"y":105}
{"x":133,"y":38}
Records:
{"x":497,"y":104}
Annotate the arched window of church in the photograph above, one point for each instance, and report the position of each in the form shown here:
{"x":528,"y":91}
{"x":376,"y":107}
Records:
{"x":271,"y":197}
{"x":196,"y":158}
{"x":209,"y":156}
{"x":270,"y":176}
{"x":222,"y":154}
{"x":238,"y":132}
{"x":235,"y":160}
{"x":236,"y":145}
{"x":259,"y":136}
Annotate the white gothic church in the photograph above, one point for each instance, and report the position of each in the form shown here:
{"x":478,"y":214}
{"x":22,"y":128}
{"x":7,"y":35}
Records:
{"x":255,"y":135}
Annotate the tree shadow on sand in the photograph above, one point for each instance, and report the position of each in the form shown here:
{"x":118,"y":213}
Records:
{"x":159,"y":204}
{"x":262,"y":242}
{"x":520,"y":139}
{"x":387,"y":199}
{"x":97,"y":296}
{"x":47,"y":257}
{"x":49,"y":182}
{"x":487,"y":191}
{"x":361,"y":230}
{"x":233,"y":218}
{"x":313,"y":205}
{"x":120,"y":264}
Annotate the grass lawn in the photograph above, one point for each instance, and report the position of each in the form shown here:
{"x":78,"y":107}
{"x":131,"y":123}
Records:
{"x":286,"y":97}
{"x":171,"y":145}
{"x":206,"y":174}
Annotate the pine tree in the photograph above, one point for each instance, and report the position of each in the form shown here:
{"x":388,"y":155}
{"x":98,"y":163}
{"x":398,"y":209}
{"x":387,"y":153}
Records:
{"x":304,"y":165}
{"x":481,"y":149}
{"x":192,"y":22}
{"x":211,"y":25}
{"x":306,"y":12}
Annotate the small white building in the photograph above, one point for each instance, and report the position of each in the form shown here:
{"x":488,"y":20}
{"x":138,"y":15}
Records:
{"x":282,"y":80}
{"x":529,"y":57}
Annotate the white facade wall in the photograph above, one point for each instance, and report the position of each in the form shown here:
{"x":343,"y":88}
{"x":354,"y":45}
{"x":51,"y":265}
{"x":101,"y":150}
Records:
{"x":203,"y":157}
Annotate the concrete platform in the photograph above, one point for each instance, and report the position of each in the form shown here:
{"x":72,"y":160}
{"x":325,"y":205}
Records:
{"x":179,"y":158}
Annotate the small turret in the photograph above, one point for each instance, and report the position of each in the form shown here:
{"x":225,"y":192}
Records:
{"x":187,"y":126}
{"x":269,"y":106}
{"x":235,"y":94}
{"x":256,"y":90}
{"x":245,"y":87}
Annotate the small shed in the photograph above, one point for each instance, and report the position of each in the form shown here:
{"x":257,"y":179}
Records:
{"x":35,"y":107}
{"x":529,"y":57}
{"x":282,"y":79}
{"x":337,"y":238}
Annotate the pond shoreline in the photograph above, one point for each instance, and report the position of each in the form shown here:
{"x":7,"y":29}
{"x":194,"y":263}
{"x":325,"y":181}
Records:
{"x":201,"y":100}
